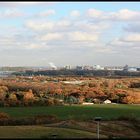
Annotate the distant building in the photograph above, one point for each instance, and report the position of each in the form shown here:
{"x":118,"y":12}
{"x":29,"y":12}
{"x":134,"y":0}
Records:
{"x":87,"y":103}
{"x":88,"y":68}
{"x":98,"y":67}
{"x":107,"y":102}
{"x":132,"y":69}
{"x":72,"y":82}
{"x":97,"y":101}
{"x":79,"y":67}
{"x":67,"y":67}
{"x":138,"y":69}
{"x":125,"y":68}
{"x":119,"y":68}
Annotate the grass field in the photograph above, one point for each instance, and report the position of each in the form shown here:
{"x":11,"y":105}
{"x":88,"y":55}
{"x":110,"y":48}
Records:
{"x":43,"y":132}
{"x":108,"y":111}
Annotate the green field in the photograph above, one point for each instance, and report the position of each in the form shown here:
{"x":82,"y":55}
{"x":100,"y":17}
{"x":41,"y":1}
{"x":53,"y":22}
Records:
{"x":108,"y":111}
{"x":43,"y":132}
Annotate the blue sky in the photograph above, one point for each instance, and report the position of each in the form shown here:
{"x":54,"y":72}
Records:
{"x":69,"y":33}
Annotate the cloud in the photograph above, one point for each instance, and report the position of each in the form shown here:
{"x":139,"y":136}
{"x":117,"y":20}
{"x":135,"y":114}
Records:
{"x":49,"y":26}
{"x":121,"y":15}
{"x":39,"y":26}
{"x":15,"y":4}
{"x":32,"y":46}
{"x":93,"y":13}
{"x":62,"y":23}
{"x":52,"y":37}
{"x":135,"y":27}
{"x":128,"y":43}
{"x":67,"y":25}
{"x":11,"y":13}
{"x":82,"y":36}
{"x":92,"y":27}
{"x":131,"y":38}
{"x":75,"y":13}
{"x":126,"y":14}
{"x":7,"y":41}
{"x":119,"y":43}
{"x":46,"y":13}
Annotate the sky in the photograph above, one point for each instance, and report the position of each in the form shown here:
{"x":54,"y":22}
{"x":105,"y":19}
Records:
{"x":69,"y":33}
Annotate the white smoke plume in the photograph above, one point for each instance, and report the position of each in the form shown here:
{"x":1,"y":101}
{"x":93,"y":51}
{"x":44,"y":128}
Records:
{"x":52,"y":65}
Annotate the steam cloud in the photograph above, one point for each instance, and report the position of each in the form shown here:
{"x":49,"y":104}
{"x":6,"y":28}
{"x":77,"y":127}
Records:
{"x":52,"y":65}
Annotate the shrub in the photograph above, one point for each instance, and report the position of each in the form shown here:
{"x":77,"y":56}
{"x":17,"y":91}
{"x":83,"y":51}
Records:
{"x":128,"y":118}
{"x":4,"y":115}
{"x":4,"y":118}
{"x":41,"y":119}
{"x":49,"y":102}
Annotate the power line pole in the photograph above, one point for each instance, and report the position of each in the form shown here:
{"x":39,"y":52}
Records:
{"x":98,"y":129}
{"x":98,"y":119}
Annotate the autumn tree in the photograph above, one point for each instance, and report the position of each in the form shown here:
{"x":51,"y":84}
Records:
{"x":128,"y":99}
{"x":3,"y":92}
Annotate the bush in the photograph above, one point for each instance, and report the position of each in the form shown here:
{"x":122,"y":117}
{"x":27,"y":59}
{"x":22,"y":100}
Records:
{"x":49,"y":102}
{"x":57,"y":102}
{"x":22,"y":121}
{"x":1,"y":103}
{"x":128,"y":118}
{"x":4,"y":118}
{"x":4,"y":115}
{"x":42,"y":119}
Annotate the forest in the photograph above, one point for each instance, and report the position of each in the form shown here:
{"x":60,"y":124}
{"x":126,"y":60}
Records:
{"x":61,"y":90}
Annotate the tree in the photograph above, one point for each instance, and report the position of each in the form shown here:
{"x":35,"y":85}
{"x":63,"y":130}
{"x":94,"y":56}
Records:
{"x":3,"y":92}
{"x":128,"y":99}
{"x":28,"y":95}
{"x":72,"y":100}
{"x":120,"y":97}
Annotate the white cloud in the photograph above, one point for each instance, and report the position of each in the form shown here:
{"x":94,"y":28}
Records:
{"x":121,"y":15}
{"x":93,"y":13}
{"x":135,"y":27}
{"x":126,"y":44}
{"x":126,"y":14}
{"x":15,"y":4}
{"x":48,"y":25}
{"x":7,"y":42}
{"x":11,"y":13}
{"x":92,"y":27}
{"x":118,"y":42}
{"x":82,"y":36}
{"x":40,"y":26}
{"x":32,"y":46}
{"x":131,"y":38}
{"x":75,"y":13}
{"x":46,"y":13}
{"x":63,"y":23}
{"x":52,"y":37}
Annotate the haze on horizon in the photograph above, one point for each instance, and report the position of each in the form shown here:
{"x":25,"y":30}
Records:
{"x":69,"y":33}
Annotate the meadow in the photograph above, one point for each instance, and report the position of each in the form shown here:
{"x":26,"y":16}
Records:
{"x":43,"y":132}
{"x":77,"y":112}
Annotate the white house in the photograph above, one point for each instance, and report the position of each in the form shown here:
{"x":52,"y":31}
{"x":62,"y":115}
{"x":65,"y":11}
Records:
{"x":86,"y":103}
{"x":107,"y":102}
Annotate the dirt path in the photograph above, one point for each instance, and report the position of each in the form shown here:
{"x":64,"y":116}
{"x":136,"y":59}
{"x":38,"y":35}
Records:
{"x":112,"y":129}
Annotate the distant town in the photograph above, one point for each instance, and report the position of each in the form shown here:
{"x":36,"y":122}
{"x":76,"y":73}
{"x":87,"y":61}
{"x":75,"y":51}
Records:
{"x":69,"y":67}
{"x":86,"y":70}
